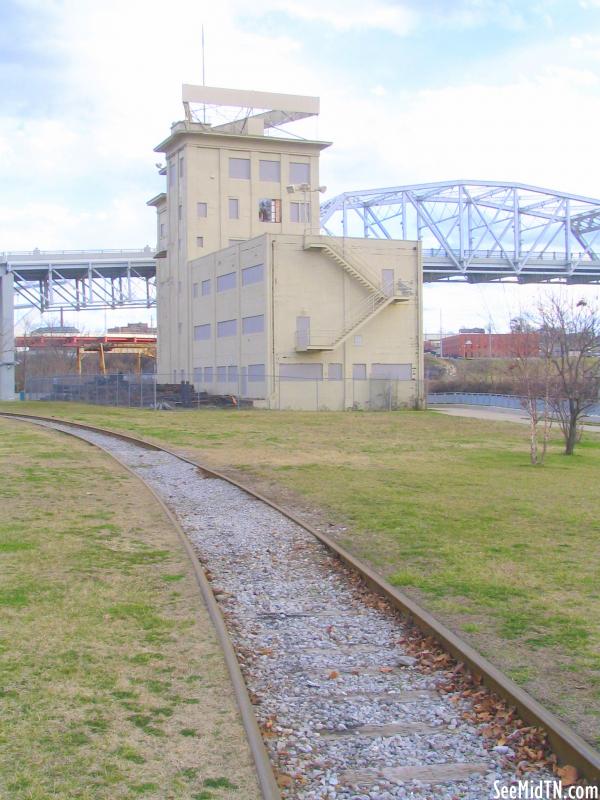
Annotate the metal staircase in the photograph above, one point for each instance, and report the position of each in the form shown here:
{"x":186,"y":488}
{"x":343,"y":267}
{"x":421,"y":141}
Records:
{"x":379,"y":297}
{"x":350,"y":263}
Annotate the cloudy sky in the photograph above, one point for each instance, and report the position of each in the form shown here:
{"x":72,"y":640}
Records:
{"x":411,"y":91}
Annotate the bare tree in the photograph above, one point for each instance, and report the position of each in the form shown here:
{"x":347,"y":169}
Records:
{"x":570,"y":338}
{"x":532,"y":377}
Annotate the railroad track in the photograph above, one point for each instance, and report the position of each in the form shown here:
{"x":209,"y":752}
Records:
{"x":351,"y":700}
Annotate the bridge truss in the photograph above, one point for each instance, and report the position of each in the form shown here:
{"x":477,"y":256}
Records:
{"x":86,"y":280}
{"x":479,"y":230}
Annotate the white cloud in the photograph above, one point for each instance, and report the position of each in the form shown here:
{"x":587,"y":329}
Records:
{"x":537,"y":128}
{"x":84,"y":168}
{"x":344,"y":15}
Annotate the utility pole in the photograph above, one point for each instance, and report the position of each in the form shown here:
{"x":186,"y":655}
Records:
{"x":7,"y":334}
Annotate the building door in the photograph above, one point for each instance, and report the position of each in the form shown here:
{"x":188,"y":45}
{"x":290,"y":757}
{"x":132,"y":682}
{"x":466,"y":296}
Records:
{"x":387,"y":281}
{"x":302,"y":331}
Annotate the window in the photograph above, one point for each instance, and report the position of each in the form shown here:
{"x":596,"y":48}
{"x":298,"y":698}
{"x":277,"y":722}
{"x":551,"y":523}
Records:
{"x":178,"y":287}
{"x":358,"y":340}
{"x":199,"y":241}
{"x":181,"y":167}
{"x":232,"y":374}
{"x":359,"y":372}
{"x":227,"y":328}
{"x":179,"y":211}
{"x":172,"y":174}
{"x":195,"y":290}
{"x":205,"y":287}
{"x":269,"y":210}
{"x":174,"y":376}
{"x":234,"y":208}
{"x":179,"y":327}
{"x":201,"y":332}
{"x":334,"y":372}
{"x":202,"y":209}
{"x":208,"y":374}
{"x":269,"y":171}
{"x":253,"y":324}
{"x":256,"y":373}
{"x":253,"y":274}
{"x":162,"y":230}
{"x":299,"y":212}
{"x":235,"y":241}
{"x":299,"y":173}
{"x":301,"y":372}
{"x":221,"y":374}
{"x":197,"y":374}
{"x":239,"y":168}
{"x":225,"y":282}
{"x":392,"y":372}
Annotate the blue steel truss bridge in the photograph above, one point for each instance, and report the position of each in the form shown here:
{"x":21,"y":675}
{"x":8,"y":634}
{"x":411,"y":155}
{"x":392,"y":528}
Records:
{"x":479,"y":231}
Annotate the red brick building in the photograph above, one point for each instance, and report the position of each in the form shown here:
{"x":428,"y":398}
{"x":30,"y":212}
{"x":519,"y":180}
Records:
{"x":490,"y":345}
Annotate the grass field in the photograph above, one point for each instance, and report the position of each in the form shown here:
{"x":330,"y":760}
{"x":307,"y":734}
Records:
{"x":447,"y":508}
{"x":112,"y":683}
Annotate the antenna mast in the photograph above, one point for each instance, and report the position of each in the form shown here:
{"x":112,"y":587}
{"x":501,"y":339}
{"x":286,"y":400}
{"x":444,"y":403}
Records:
{"x":203,"y":76}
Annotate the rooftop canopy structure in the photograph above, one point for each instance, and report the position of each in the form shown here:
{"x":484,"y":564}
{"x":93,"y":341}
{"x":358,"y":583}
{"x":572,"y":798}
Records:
{"x":252,"y":112}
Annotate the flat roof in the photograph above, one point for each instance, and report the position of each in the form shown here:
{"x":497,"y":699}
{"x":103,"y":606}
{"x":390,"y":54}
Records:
{"x":197,"y":129}
{"x":157,"y":199}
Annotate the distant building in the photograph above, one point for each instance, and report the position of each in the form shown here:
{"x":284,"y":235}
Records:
{"x":491,"y":345}
{"x":134,"y":327}
{"x":471,"y":330}
{"x":432,"y":345}
{"x":55,"y":330}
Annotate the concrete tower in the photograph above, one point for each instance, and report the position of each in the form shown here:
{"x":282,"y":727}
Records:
{"x":227,"y":183}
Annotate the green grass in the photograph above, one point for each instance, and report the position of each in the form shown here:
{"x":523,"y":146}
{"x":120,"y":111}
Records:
{"x":96,"y":653}
{"x":447,"y":508}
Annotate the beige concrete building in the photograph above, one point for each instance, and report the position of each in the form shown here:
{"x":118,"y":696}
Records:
{"x":252,"y":300}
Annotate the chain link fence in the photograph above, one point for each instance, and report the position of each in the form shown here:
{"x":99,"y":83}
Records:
{"x":235,"y":390}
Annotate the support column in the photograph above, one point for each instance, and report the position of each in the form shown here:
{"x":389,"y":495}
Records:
{"x":7,"y":335}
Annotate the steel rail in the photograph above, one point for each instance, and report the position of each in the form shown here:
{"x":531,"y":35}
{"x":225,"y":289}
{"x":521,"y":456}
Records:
{"x":567,"y":745}
{"x":262,"y":763}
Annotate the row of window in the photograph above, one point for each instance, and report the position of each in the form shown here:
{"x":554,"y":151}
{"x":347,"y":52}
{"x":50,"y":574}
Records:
{"x":229,"y":327}
{"x":300,"y":372}
{"x":314,"y":372}
{"x":240,"y":169}
{"x":224,"y":283}
{"x":229,"y":374}
{"x":269,"y":210}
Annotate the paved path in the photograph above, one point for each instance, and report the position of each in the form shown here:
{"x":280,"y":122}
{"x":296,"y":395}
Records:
{"x":494,"y":414}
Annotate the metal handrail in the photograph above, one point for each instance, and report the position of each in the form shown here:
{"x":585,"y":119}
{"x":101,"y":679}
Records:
{"x":510,"y":254}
